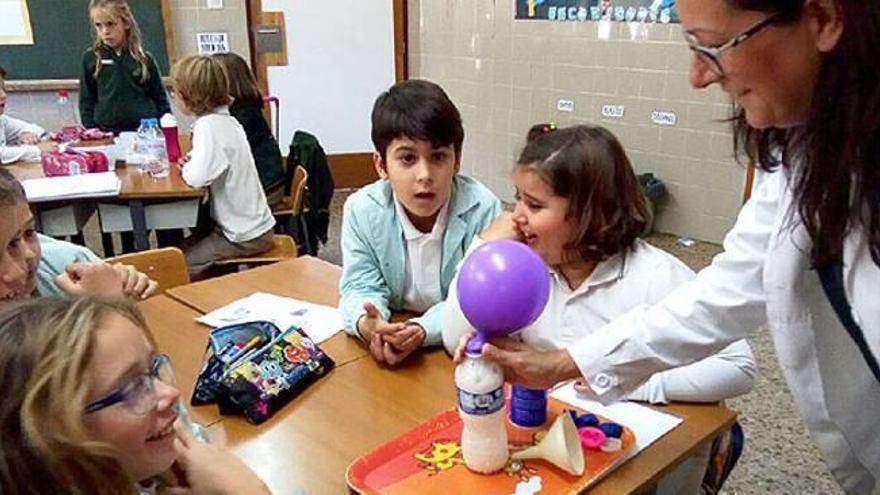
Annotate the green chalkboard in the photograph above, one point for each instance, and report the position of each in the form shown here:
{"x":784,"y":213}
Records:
{"x":62,"y":31}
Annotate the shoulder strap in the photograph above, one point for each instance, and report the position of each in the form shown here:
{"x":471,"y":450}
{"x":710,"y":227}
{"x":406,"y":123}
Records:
{"x":831,"y":277}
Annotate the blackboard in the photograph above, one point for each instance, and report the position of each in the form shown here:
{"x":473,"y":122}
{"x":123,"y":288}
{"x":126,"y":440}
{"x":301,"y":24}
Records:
{"x":62,"y":31}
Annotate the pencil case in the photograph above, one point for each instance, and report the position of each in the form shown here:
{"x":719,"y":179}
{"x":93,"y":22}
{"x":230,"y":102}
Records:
{"x":255,"y":368}
{"x":73,"y":163}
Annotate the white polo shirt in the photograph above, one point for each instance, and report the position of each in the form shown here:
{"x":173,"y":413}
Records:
{"x":424,"y":254}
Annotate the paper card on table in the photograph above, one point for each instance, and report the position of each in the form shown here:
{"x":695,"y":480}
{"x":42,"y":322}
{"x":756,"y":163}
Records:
{"x":71,"y":186}
{"x":319,"y":322}
{"x":648,"y":424}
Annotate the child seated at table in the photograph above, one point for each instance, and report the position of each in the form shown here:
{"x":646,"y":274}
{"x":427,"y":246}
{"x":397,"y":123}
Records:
{"x":220,"y":159}
{"x":247,"y":108}
{"x":89,"y":406}
{"x":403,"y":235}
{"x":32,"y":264}
{"x":18,"y":139}
{"x":580,"y":207}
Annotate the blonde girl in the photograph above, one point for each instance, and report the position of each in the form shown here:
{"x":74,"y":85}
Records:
{"x":120,"y":83}
{"x":89,"y":407}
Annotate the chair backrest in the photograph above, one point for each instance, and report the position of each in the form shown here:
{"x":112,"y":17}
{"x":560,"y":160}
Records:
{"x":283,"y":248}
{"x":298,"y":189}
{"x":167,"y":266}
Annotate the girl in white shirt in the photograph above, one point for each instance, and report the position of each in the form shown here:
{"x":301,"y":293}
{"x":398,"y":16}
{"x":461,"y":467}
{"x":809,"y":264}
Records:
{"x":220,"y":159}
{"x":579,"y":206}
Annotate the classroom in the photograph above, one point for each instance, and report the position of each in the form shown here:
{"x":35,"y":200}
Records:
{"x":419,"y":246}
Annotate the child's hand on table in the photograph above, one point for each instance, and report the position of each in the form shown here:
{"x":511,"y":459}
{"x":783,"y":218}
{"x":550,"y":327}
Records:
{"x":28,"y":138}
{"x":388,"y":342}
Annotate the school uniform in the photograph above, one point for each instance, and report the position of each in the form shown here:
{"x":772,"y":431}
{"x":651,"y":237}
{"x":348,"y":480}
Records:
{"x":764,"y":277}
{"x":11,"y":149}
{"x":376,"y":266}
{"x":116,"y":100}
{"x":55,"y":255}
{"x":264,"y":147}
{"x":221,"y":160}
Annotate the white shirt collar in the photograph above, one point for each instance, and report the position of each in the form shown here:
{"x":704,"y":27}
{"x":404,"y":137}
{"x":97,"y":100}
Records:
{"x":410,"y":232}
{"x":609,"y":270}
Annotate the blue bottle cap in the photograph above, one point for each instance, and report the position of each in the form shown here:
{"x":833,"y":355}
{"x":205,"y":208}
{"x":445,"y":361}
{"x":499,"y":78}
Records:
{"x":585,"y":420}
{"x":612,"y":430}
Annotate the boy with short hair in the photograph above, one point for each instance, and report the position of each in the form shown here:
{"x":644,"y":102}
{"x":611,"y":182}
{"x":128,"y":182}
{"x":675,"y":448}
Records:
{"x":220,"y":159}
{"x":404,"y":235}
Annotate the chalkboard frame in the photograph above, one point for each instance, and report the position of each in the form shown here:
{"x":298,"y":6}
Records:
{"x":16,"y":84}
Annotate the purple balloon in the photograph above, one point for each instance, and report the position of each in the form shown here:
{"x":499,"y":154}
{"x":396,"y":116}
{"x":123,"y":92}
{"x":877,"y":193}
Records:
{"x":503,"y":286}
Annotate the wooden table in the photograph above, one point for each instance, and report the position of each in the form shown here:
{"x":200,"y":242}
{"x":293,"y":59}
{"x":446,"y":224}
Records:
{"x":184,"y":340}
{"x":135,"y":189}
{"x":305,"y":278}
{"x":361,"y":405}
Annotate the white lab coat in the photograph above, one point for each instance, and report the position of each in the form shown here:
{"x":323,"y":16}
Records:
{"x":764,"y":277}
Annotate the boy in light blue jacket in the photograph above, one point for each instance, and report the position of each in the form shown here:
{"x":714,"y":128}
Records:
{"x":404,"y":235}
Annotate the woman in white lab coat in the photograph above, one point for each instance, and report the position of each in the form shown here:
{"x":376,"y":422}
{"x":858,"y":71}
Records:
{"x":804,"y":80}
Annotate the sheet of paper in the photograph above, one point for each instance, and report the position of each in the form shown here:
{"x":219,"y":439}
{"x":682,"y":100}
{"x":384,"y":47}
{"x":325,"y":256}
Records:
{"x":15,"y":23}
{"x":72,"y":186}
{"x":320,"y":322}
{"x":647,"y":424}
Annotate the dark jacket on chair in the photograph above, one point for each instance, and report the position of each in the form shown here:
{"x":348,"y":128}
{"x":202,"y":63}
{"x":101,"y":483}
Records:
{"x":305,"y":150}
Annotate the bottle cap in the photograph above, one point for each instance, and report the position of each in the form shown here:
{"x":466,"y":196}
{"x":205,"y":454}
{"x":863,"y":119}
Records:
{"x":168,"y":120}
{"x":613,"y":430}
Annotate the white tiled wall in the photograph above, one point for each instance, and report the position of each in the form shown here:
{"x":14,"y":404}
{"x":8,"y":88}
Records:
{"x":505,"y":75}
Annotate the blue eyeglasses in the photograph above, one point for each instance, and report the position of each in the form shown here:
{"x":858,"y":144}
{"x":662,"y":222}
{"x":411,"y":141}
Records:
{"x":139,"y":394}
{"x":711,"y":55}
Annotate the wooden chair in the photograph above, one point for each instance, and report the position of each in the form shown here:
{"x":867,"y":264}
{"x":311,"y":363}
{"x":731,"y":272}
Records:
{"x":283,"y":248}
{"x":167,"y":266}
{"x":292,"y":207}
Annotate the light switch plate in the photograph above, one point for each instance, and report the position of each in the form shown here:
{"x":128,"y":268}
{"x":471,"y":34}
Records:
{"x":564,"y":105}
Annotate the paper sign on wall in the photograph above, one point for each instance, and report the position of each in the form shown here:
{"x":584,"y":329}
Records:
{"x":613,"y":111}
{"x":211,"y":43}
{"x":664,"y":118}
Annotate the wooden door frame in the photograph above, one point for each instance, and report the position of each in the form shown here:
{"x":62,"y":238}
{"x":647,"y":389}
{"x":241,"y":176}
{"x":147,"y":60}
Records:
{"x":349,"y":169}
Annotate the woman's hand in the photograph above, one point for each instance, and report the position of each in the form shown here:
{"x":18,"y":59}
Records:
{"x":206,"y":469}
{"x":528,"y":366}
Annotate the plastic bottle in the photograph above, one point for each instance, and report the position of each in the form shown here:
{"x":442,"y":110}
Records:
{"x":172,"y":140}
{"x":136,"y":154}
{"x":155,"y":154}
{"x":66,"y":112}
{"x":480,"y":385}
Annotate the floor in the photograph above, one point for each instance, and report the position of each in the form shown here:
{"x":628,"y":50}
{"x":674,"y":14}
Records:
{"x":779,"y":456}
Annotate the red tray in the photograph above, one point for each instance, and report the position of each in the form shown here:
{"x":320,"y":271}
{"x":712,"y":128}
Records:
{"x":427,"y":460}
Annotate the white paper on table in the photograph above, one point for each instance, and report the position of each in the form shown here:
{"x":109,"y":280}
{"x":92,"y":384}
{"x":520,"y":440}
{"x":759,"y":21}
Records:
{"x":319,"y":322}
{"x":647,"y":424}
{"x":71,"y":186}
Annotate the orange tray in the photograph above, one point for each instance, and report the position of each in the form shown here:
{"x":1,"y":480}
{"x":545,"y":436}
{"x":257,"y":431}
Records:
{"x":427,"y":460}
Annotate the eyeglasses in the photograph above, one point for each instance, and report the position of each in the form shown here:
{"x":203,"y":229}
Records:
{"x":139,"y":394}
{"x":711,"y":55}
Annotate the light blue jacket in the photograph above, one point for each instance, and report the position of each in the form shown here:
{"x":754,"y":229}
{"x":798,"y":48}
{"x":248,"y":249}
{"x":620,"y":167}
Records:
{"x":374,"y":250}
{"x":55,"y":255}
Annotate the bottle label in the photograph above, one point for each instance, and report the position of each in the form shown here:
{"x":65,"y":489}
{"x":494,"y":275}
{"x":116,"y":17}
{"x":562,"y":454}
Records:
{"x":480,"y":404}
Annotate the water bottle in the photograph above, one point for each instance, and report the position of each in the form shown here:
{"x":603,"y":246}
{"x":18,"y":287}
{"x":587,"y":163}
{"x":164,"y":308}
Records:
{"x":136,"y":154}
{"x":172,"y":140}
{"x":155,"y":156}
{"x":66,"y":112}
{"x":480,"y":385}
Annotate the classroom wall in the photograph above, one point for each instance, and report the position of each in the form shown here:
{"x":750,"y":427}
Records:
{"x":187,"y":18}
{"x":506,"y":75}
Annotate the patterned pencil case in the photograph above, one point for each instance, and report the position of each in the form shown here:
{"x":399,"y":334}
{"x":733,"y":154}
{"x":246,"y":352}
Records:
{"x":254,"y":369}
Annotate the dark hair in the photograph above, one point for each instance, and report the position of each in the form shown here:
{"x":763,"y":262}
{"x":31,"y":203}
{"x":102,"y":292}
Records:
{"x":587,"y":165}
{"x":242,"y":83}
{"x":11,"y":190}
{"x":416,"y":109}
{"x":833,"y":157}
{"x":2,"y":72}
